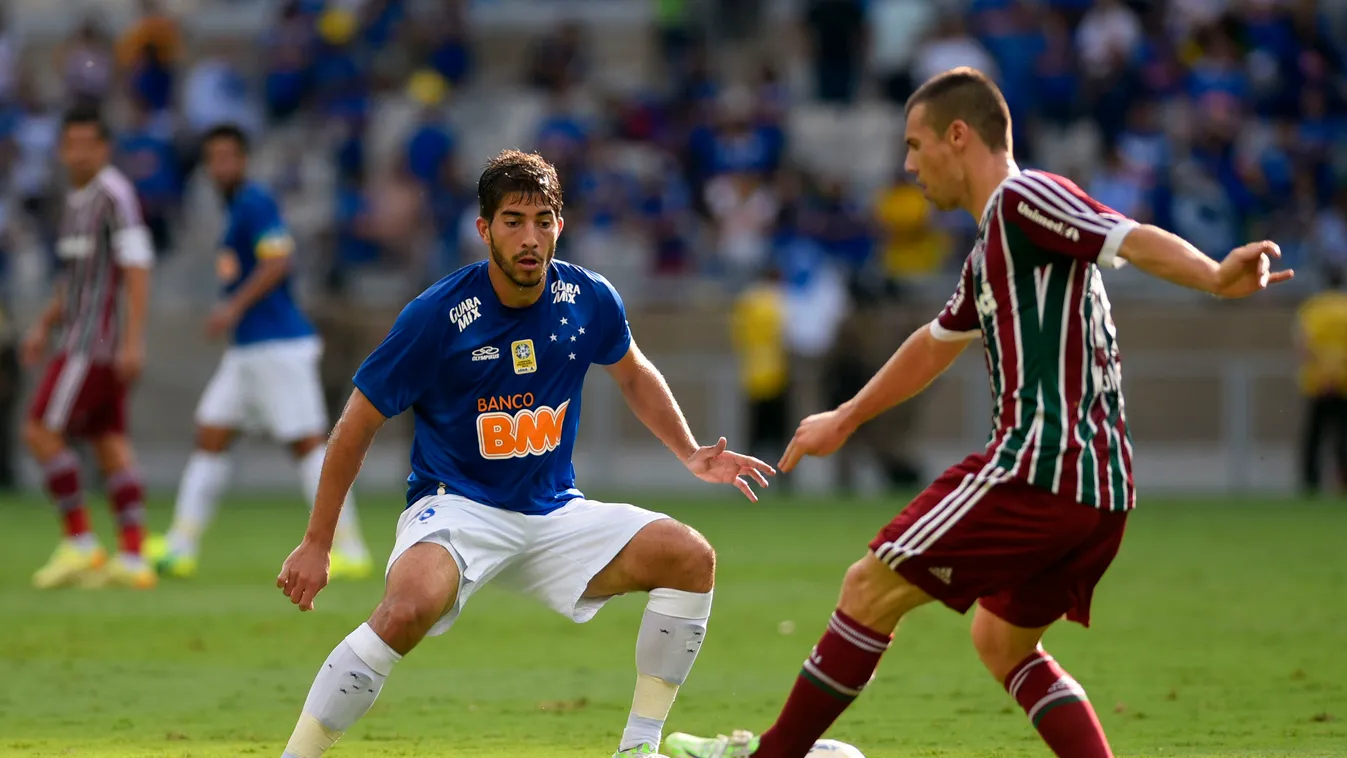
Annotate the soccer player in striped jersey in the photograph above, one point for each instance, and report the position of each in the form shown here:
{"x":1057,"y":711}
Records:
{"x":1025,"y":528}
{"x":100,"y":302}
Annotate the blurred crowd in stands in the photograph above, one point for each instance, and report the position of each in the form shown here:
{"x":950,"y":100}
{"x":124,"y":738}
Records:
{"x":749,"y":147}
{"x":1220,"y":119}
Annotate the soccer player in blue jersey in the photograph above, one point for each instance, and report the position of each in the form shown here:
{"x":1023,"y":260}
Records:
{"x":491,"y":361}
{"x":268,"y":378}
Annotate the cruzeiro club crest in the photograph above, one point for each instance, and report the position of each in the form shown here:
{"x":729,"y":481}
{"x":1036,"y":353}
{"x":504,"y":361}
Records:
{"x":525,"y":360}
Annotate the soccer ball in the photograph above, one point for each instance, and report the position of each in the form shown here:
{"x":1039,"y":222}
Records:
{"x":833,"y":749}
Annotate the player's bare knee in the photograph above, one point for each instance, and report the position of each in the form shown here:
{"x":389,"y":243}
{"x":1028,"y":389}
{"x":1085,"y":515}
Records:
{"x":114,"y":454}
{"x":876,"y":596}
{"x":302,"y":447}
{"x":42,"y":442}
{"x":212,"y":439}
{"x":697,"y":560}
{"x":999,"y":645}
{"x":671,"y":555}
{"x":403,"y":621}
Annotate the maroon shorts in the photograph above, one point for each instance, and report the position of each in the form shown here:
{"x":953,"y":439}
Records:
{"x":80,"y":399}
{"x":1025,"y":554}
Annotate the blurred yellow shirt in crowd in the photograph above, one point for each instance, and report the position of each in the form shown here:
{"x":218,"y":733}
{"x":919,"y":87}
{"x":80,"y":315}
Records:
{"x":1323,"y":331}
{"x":157,"y":31}
{"x":911,"y":246}
{"x":758,"y":325}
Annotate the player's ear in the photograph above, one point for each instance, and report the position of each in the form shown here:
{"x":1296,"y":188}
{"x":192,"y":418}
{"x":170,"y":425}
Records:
{"x":957,"y":134}
{"x":484,"y":229}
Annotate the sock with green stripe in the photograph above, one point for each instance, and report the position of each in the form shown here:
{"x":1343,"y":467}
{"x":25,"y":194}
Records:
{"x":1058,"y":708}
{"x":833,"y":676}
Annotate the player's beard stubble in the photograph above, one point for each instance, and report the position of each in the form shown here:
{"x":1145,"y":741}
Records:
{"x":523,"y":279}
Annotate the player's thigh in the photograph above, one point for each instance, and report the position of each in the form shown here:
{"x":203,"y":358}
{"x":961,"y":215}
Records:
{"x":665,"y":553}
{"x":1065,"y":587}
{"x":974,"y":532}
{"x":569,"y":547}
{"x":482,"y":542}
{"x":422,"y":586}
{"x":289,"y":390}
{"x":103,"y":410}
{"x":64,"y":396}
{"x":224,"y":402}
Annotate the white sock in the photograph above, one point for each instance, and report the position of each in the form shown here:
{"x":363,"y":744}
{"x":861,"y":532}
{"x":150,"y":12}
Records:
{"x":203,"y":481}
{"x":347,"y":539}
{"x":666,"y":647}
{"x":345,"y":688}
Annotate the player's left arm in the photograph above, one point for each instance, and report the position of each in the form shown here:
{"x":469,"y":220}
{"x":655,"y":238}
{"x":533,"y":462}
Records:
{"x":1056,"y":215}
{"x":134,"y":253}
{"x":649,"y":397}
{"x":274,"y":251}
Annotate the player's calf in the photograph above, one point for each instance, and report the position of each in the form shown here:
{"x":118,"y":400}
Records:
{"x":422,"y":585}
{"x":677,"y":566}
{"x":873,"y":599}
{"x":80,"y":552}
{"x":1055,"y":703}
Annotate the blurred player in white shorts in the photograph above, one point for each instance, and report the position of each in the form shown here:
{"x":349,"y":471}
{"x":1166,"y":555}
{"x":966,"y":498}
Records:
{"x":267,"y":380}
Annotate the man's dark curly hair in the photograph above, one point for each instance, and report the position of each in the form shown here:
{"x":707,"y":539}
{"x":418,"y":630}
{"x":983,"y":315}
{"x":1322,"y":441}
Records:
{"x":516,"y":174}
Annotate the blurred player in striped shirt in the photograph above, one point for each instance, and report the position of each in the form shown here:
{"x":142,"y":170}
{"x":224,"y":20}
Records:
{"x":99,"y":306}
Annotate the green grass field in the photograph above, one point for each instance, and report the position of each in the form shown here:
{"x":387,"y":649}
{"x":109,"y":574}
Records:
{"x":1220,"y":631}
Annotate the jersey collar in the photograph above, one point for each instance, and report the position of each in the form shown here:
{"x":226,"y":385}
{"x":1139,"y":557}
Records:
{"x":84,"y":194}
{"x":996,"y":193}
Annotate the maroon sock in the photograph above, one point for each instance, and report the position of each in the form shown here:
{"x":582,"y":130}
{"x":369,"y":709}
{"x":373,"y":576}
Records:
{"x":128,"y":504}
{"x":62,"y":475}
{"x":1058,"y":708}
{"x":833,"y":676}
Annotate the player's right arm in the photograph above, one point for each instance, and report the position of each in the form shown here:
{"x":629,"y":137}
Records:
{"x":399,"y":371}
{"x":35,"y":341}
{"x":925,"y":355}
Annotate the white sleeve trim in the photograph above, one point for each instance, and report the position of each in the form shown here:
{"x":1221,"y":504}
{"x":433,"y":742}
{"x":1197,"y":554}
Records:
{"x":1108,"y":256}
{"x":949,"y":335}
{"x":133,"y":248}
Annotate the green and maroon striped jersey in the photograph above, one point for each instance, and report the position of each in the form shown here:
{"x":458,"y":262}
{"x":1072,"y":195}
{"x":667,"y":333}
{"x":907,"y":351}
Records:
{"x":101,"y":234}
{"x":1032,"y":289}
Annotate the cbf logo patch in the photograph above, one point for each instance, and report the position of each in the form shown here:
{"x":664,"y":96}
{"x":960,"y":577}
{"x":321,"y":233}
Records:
{"x":525,"y":360}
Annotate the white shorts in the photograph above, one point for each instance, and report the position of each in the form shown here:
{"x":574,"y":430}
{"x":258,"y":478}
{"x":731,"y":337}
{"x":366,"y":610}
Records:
{"x":551,"y":558}
{"x":271,"y":387}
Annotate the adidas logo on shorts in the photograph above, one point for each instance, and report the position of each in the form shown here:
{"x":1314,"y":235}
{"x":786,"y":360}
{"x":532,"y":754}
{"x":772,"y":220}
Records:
{"x":943,"y":573}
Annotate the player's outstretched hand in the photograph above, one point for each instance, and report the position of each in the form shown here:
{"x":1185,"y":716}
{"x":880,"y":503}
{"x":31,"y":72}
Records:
{"x":222,"y":319}
{"x":820,"y":435}
{"x":715,"y":464}
{"x":304,"y":574}
{"x":1248,"y":269}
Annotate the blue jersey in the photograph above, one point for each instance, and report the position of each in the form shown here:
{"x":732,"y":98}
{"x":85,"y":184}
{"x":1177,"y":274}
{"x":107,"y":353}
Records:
{"x":496,"y":390}
{"x":254,"y":231}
